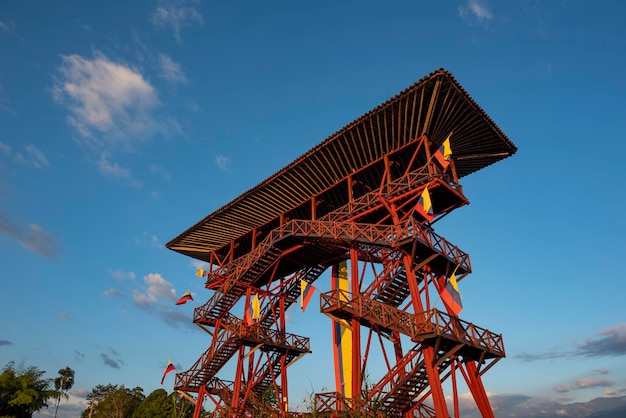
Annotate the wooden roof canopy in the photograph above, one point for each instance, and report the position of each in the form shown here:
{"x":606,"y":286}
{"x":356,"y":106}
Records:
{"x":434,"y":106}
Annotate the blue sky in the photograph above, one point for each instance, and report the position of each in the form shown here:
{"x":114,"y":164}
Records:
{"x":124,"y":123}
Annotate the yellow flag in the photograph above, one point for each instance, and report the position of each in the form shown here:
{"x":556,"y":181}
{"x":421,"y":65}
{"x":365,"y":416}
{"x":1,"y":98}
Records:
{"x":256,"y":307}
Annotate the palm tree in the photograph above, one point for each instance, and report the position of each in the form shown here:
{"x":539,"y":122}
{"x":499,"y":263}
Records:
{"x":62,"y":384}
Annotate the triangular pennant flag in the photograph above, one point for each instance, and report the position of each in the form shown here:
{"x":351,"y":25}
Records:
{"x":247,"y":316}
{"x":444,"y":153}
{"x":255,"y":305}
{"x":306,"y":292}
{"x":168,"y":369}
{"x":424,"y":206}
{"x":184,"y":298}
{"x":451,"y":296}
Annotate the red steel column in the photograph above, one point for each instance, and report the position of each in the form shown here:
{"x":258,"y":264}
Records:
{"x":356,"y":332}
{"x":475,"y":384}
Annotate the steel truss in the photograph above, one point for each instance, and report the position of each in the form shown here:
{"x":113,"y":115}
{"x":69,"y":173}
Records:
{"x":398,"y":266}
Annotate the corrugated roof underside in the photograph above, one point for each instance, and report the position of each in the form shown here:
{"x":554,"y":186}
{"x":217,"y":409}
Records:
{"x":435,"y":106}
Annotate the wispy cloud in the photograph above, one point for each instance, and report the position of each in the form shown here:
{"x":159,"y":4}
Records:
{"x":5,"y":342}
{"x":147,"y":239}
{"x":582,"y":383}
{"x":111,"y":169}
{"x":112,"y":358}
{"x":109,"y":103}
{"x":617,"y":392}
{"x":221,"y":161}
{"x":7,"y":26}
{"x":170,"y":70}
{"x":108,"y":361}
{"x":112,"y":293}
{"x":475,"y":12}
{"x":31,"y":155}
{"x":175,"y":15}
{"x":32,"y":237}
{"x":197,"y":264}
{"x":5,"y":148}
{"x":608,"y":342}
{"x":121,"y":276}
{"x":78,"y":356}
{"x":156,"y":169}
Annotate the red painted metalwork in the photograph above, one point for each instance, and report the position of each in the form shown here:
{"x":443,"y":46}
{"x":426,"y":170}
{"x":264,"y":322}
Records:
{"x":398,"y":267}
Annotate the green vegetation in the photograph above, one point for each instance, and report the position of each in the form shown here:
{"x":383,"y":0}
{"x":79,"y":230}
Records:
{"x":62,"y":385}
{"x":23,"y":391}
{"x":112,"y":401}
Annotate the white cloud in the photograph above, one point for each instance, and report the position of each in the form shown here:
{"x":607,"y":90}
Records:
{"x":112,"y":293}
{"x":157,"y":287}
{"x":157,"y":299}
{"x":170,"y":70}
{"x":155,"y":242}
{"x":110,"y":104}
{"x":475,"y":11}
{"x":175,"y":14}
{"x":222,"y":162}
{"x":122,"y":275}
{"x":148,"y":239}
{"x":113,"y":170}
{"x":80,"y":393}
{"x":197,"y":264}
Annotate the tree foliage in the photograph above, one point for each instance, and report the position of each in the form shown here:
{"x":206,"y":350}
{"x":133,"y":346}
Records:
{"x":161,"y":405}
{"x":156,"y":405}
{"x":111,"y":401}
{"x":62,"y":385}
{"x":23,"y":391}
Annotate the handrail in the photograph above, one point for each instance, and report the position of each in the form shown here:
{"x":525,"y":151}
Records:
{"x":418,"y":326}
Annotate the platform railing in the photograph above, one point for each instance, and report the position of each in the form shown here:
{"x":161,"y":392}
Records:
{"x":418,"y":326}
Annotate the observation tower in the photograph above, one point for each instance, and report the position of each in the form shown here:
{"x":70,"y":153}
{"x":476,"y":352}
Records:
{"x":362,"y":205}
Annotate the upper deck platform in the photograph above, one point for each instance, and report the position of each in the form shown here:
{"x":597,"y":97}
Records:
{"x":434,"y":106}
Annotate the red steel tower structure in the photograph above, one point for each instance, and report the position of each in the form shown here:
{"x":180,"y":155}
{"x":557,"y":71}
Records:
{"x":362,"y":204}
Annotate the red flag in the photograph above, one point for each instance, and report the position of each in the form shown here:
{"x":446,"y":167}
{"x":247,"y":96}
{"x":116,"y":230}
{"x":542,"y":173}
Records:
{"x":184,"y":298}
{"x":306,"y":292}
{"x":168,"y":369}
{"x":444,"y":153}
{"x":451,"y":296}
{"x":424,"y":205}
{"x":247,"y":316}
